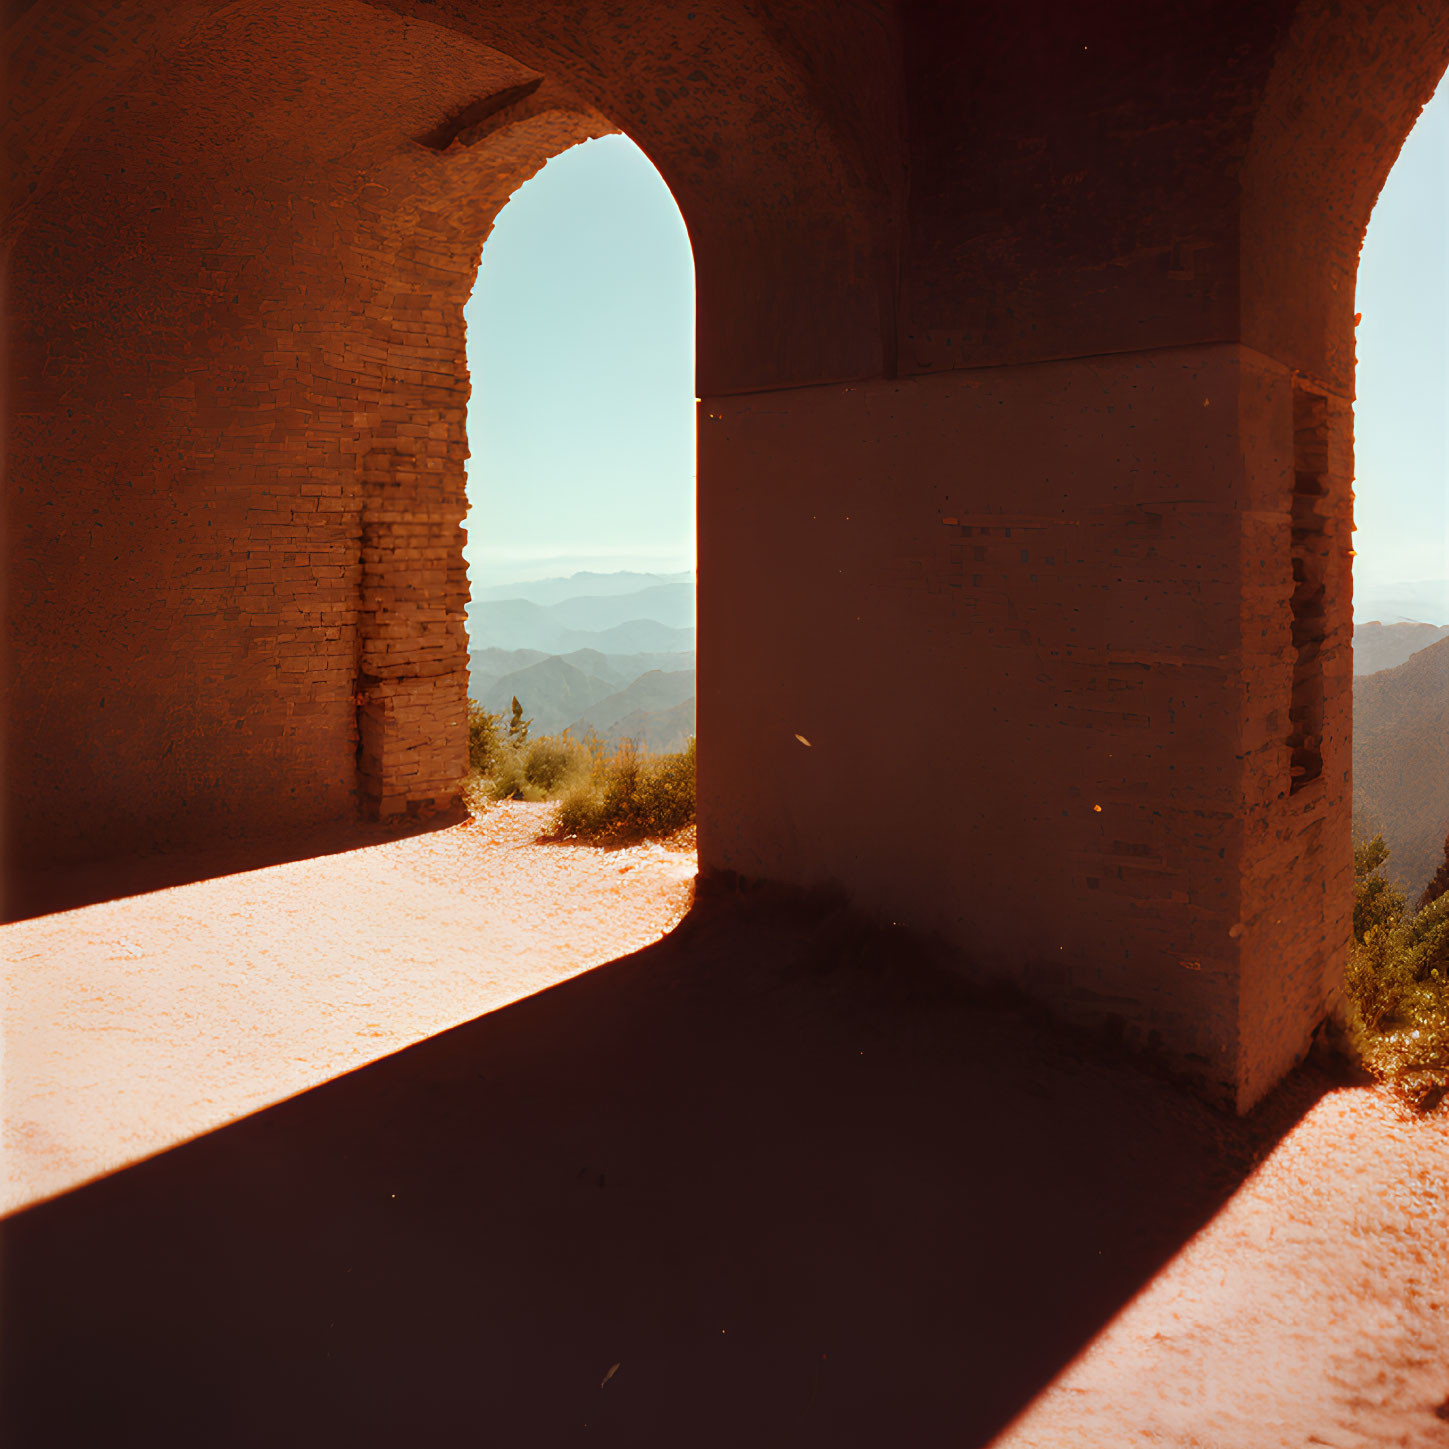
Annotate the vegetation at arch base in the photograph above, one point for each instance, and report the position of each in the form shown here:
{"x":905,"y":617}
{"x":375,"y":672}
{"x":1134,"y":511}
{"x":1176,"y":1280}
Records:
{"x":1397,"y":983}
{"x":606,"y":794}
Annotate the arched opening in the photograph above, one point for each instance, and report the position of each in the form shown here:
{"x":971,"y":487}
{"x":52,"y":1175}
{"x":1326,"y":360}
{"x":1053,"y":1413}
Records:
{"x":1401,"y":538}
{"x":365,"y":559}
{"x":1397,"y":1010}
{"x":1401,"y":445}
{"x":581,"y":472}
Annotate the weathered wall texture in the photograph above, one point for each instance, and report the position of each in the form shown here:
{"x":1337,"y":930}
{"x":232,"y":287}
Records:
{"x":1025,"y":351}
{"x":1047,"y":636}
{"x":236,"y":583}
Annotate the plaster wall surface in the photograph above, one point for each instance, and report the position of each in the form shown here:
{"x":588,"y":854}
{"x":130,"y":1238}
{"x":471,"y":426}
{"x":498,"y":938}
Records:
{"x":1032,"y":614}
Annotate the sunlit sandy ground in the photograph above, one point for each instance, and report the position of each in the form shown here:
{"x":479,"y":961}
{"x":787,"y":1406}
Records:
{"x":139,"y":1023}
{"x":1313,"y":1309}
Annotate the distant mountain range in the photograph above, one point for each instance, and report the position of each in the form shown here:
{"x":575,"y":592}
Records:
{"x":1384,"y":646}
{"x":517,"y":624}
{"x":1401,"y":762}
{"x":641,"y":710}
{"x":613,"y":654}
{"x":610,"y":654}
{"x":1422,"y":600}
{"x":658,"y":730}
{"x":659,"y":618}
{"x":579,"y":586}
{"x":559,"y":691}
{"x":488,"y":666}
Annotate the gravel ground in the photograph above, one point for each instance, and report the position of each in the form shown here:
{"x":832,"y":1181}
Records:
{"x":138,"y":1023}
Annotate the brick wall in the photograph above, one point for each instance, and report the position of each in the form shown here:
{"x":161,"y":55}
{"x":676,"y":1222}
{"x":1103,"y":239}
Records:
{"x":240,"y":342}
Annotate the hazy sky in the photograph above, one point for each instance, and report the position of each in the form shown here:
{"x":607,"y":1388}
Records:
{"x":581,"y":341}
{"x":1402,"y":418}
{"x":581,"y":347}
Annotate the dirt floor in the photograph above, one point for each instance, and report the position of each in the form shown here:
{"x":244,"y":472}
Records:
{"x":135,"y":1024}
{"x":773,"y":1180}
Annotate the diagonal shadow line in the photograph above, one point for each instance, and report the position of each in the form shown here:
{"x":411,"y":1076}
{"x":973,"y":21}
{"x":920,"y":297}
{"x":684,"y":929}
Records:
{"x":797,"y":1185}
{"x":42,"y":892}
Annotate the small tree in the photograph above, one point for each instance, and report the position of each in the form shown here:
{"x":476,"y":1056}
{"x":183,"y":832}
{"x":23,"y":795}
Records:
{"x":483,"y":740}
{"x":1375,"y":901}
{"x":517,"y":725}
{"x":1397,"y":982}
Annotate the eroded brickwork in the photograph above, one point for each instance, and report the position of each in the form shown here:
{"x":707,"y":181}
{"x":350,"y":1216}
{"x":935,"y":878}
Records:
{"x":412,"y":653}
{"x":1298,"y":672}
{"x":244,"y":352}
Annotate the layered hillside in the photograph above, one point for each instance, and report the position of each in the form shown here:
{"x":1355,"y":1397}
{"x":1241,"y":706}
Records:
{"x":589,"y":615}
{"x":576,"y":690}
{"x":1401,"y":761}
{"x":580,"y":585}
{"x":1426,"y":600}
{"x":552,"y":692}
{"x":519,"y":624}
{"x":644,"y":704}
{"x":610,"y":654}
{"x":656,"y":730}
{"x":1379,"y":646}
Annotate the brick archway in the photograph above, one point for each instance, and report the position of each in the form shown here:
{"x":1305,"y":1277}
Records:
{"x":1025,"y":358}
{"x":256,"y":395}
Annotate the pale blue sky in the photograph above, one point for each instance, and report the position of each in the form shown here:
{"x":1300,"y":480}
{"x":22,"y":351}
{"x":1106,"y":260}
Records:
{"x":581,"y":347}
{"x":581,"y":342}
{"x":1402,"y":416}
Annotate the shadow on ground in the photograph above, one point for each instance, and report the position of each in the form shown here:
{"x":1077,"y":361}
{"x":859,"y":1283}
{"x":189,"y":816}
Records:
{"x":30,"y":893}
{"x":799,"y":1189}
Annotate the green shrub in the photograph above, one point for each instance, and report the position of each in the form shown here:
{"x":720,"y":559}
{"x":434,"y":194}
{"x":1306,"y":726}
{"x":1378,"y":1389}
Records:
{"x":611,"y":796}
{"x":1375,"y":901}
{"x":506,"y":780}
{"x":1397,"y":983}
{"x":539,"y":769}
{"x":483,"y":738}
{"x":628,"y":797}
{"x":517,"y":725}
{"x":552,"y":761}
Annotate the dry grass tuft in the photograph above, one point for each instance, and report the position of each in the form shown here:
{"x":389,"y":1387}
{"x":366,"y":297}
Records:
{"x":608,"y":795}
